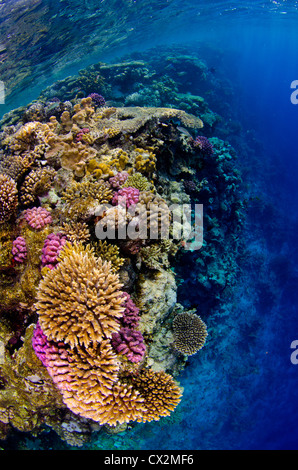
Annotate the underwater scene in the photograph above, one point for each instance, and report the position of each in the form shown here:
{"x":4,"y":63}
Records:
{"x":148,"y":225}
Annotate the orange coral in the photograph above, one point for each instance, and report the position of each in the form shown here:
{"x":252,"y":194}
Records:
{"x":79,"y":302}
{"x":160,"y":392}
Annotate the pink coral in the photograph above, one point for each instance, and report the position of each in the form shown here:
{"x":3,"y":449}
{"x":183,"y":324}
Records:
{"x":54,"y":357}
{"x":118,"y":180}
{"x":19,"y":249}
{"x":51,"y":249}
{"x":126,"y":196}
{"x":81,"y":133}
{"x":131,"y":313}
{"x":38,"y":217}
{"x":130,"y":343}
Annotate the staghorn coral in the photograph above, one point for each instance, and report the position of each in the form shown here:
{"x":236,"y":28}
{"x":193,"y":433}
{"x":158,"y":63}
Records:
{"x":76,"y":232}
{"x":8,"y":198}
{"x":108,"y":252}
{"x":160,"y":392}
{"x":79,"y":302}
{"x":124,"y":404}
{"x":37,"y":183}
{"x":190,"y":333}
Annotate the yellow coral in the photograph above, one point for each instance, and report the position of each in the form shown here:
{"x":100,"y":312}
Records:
{"x":79,"y":302}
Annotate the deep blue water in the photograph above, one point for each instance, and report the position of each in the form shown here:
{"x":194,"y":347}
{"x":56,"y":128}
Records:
{"x":241,"y":391}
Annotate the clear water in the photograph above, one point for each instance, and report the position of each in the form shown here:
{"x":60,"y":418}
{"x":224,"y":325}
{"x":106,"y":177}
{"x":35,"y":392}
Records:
{"x":241,"y":391}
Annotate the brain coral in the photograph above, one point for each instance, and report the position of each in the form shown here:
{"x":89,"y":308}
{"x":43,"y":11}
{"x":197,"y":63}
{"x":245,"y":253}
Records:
{"x":79,"y":302}
{"x":160,"y":392}
{"x":8,"y":198}
{"x":190,"y":333}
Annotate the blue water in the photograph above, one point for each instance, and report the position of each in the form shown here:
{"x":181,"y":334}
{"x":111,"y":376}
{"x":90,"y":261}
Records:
{"x":240,"y":392}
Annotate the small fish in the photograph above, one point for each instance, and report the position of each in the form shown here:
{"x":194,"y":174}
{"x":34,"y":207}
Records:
{"x":184,"y":131}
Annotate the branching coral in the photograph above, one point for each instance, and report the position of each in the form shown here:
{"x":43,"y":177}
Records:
{"x":37,"y":183}
{"x":108,"y":252}
{"x":160,"y":392}
{"x":81,"y":198}
{"x":190,"y":333}
{"x":8,"y":198}
{"x":79,"y":302}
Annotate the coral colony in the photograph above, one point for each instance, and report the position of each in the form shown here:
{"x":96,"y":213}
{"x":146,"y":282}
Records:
{"x":103,"y":335}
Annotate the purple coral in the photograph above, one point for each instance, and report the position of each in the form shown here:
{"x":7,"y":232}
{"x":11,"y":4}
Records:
{"x":131,"y":313}
{"x":54,"y":357}
{"x":19,"y":249}
{"x":97,"y":99}
{"x":202,"y":143}
{"x":51,"y":249}
{"x":38,"y":217}
{"x":126,"y":196}
{"x":130,"y":343}
{"x":118,"y":180}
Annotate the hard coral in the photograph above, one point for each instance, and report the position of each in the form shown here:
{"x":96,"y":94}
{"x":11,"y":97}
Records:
{"x":79,"y":302}
{"x":38,"y":217}
{"x":51,"y":249}
{"x":19,"y":249}
{"x":126,"y":196}
{"x":190,"y":333}
{"x":130,"y":343}
{"x":160,"y":392}
{"x":202,"y":143}
{"x":8,"y":198}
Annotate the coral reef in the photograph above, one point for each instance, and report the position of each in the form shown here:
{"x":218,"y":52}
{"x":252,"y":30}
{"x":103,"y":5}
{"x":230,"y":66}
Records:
{"x":108,"y":336}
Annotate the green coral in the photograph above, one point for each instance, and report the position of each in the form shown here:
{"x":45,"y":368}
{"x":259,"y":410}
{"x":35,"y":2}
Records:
{"x":138,"y":181}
